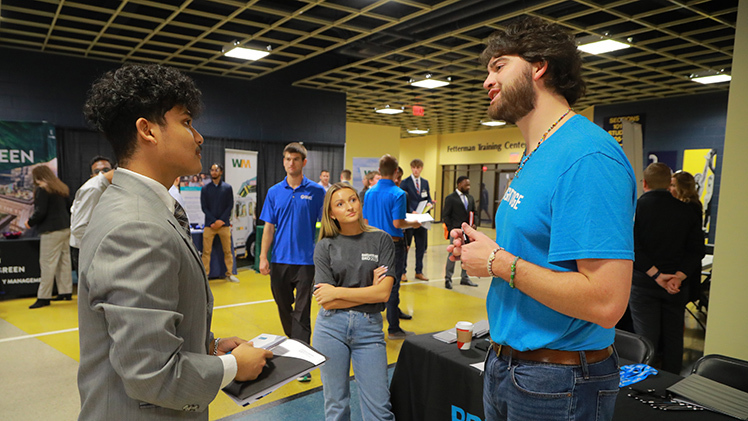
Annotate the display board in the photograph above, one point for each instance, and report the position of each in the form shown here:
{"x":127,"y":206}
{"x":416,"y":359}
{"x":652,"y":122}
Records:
{"x":23,"y":145}
{"x":241,"y":174}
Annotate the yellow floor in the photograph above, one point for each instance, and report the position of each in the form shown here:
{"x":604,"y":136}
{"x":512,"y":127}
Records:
{"x":40,"y":350}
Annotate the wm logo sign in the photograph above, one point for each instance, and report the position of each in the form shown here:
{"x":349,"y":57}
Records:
{"x":241,"y":163}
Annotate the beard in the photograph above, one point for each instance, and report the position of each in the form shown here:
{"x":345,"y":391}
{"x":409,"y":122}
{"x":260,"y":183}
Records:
{"x":517,"y":100}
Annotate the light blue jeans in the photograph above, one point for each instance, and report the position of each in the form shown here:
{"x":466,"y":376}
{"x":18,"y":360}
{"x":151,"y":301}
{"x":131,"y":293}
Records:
{"x":524,"y":390}
{"x":346,"y":336}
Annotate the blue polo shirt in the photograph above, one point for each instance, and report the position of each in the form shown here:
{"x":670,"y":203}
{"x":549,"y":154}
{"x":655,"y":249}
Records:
{"x":385,"y":202}
{"x":294,"y":212}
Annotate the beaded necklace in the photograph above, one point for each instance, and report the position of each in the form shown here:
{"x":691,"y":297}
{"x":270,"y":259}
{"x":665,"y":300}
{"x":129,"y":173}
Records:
{"x":526,"y":156}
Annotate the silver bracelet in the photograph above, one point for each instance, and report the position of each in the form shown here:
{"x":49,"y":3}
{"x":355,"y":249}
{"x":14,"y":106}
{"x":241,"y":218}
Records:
{"x":215,"y":346}
{"x":491,"y":258}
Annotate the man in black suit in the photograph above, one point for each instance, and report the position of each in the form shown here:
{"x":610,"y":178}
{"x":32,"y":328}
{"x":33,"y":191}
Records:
{"x":457,"y":209}
{"x":418,"y":190}
{"x":668,"y":244}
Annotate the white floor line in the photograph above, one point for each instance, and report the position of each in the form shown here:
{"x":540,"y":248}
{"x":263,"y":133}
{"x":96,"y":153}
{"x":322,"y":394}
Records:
{"x":243,"y":304}
{"x":18,"y":338}
{"x":75,"y":329}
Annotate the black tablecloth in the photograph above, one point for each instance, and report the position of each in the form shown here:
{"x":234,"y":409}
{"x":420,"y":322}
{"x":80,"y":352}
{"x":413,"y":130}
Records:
{"x":434,"y":381}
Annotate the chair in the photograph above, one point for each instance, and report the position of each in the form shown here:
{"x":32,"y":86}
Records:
{"x":633,"y":347}
{"x":726,"y":370}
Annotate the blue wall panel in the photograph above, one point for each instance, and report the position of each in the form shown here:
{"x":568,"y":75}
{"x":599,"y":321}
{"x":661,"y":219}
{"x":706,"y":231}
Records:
{"x":677,"y":124}
{"x":46,"y":87}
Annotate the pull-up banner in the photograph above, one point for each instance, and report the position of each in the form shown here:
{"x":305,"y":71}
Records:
{"x":241,"y":174}
{"x":23,"y":145}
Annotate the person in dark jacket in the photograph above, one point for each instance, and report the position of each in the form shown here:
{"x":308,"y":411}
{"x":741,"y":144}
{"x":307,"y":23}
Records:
{"x":669,"y":246}
{"x":683,"y":188}
{"x":52,"y":221}
{"x":457,"y":209}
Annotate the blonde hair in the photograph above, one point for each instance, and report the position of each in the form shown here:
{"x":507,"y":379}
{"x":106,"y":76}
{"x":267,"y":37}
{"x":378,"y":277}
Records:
{"x":685,"y":188}
{"x":330,"y":227}
{"x":49,"y":180}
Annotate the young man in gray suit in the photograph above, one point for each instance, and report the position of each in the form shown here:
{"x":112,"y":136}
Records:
{"x":144,"y":303}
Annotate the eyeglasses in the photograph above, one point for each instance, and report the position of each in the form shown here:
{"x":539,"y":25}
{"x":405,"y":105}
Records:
{"x":101,"y":170}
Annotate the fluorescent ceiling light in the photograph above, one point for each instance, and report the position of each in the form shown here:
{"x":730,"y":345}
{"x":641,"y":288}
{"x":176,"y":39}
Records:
{"x":246,"y":53}
{"x":711,"y":78}
{"x":417,"y":131}
{"x":493,"y":123}
{"x":430,"y":83}
{"x":602,"y":46}
{"x":387,"y":110}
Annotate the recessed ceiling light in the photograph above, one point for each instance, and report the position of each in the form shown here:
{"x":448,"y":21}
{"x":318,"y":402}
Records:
{"x":417,"y":131}
{"x":388,"y":110}
{"x":712,"y":77}
{"x":492,"y":123}
{"x":602,"y":46}
{"x":244,"y":53}
{"x":430,"y":83}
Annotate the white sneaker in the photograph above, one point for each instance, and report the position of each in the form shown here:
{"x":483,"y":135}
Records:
{"x":232,"y":278}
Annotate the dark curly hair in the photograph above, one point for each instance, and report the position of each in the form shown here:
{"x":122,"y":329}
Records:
{"x":120,"y":97}
{"x":536,"y":40}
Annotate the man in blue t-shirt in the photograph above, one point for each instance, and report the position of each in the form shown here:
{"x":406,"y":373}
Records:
{"x":291,"y":211}
{"x":384,"y":208}
{"x":563,"y":256}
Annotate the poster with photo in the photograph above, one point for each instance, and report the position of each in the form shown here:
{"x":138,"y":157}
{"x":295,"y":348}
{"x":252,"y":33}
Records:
{"x":23,"y":146}
{"x":702,"y":164}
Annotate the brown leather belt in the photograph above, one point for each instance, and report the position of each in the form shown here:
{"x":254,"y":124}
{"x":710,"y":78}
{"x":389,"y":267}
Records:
{"x":553,"y":356}
{"x":396,"y":239}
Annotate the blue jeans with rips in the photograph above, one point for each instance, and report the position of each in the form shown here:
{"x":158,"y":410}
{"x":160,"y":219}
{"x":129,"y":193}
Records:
{"x":346,"y":336}
{"x":524,"y":390}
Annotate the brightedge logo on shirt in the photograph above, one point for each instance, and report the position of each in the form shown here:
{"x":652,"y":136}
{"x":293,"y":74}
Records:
{"x":370,"y":257}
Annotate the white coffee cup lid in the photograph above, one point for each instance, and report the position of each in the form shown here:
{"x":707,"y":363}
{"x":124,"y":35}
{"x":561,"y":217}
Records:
{"x":464,"y":325}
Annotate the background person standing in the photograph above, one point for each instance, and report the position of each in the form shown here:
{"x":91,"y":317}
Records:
{"x":385,"y":209}
{"x":457,"y":208}
{"x":291,"y":211}
{"x":669,"y":246}
{"x":217,"y":201}
{"x":52,"y":220}
{"x":324,"y":179}
{"x":85,"y":201}
{"x":418,"y":190}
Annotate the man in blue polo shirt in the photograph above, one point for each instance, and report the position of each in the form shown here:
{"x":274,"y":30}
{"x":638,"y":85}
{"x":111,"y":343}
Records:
{"x":291,"y":210}
{"x":384,"y":208}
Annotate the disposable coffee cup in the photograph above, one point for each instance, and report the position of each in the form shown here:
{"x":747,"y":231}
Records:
{"x":464,"y":335}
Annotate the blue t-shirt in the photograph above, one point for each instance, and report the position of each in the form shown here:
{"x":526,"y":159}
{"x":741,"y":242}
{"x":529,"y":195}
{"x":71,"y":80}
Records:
{"x":294,"y":212}
{"x":385,"y":202}
{"x":574,"y":199}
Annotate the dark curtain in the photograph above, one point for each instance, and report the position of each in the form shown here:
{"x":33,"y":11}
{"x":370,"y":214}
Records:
{"x":270,"y":169}
{"x":76,"y":147}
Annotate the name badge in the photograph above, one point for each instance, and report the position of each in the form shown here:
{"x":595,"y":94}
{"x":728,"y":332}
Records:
{"x":424,"y":194}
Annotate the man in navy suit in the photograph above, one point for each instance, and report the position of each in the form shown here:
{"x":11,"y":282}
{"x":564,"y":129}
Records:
{"x":418,"y":190}
{"x":457,"y":209}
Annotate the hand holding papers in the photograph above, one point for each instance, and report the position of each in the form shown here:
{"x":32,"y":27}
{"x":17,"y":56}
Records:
{"x":291,"y":359}
{"x":420,"y":215}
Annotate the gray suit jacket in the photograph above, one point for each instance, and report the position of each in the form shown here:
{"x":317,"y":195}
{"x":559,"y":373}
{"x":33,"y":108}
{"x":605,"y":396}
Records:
{"x":144,"y":313}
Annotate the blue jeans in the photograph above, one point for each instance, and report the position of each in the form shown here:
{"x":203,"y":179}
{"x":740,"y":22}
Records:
{"x":346,"y":336}
{"x":526,"y":390}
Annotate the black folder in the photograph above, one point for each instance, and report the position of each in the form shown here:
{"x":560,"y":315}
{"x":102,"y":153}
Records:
{"x":294,"y":359}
